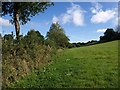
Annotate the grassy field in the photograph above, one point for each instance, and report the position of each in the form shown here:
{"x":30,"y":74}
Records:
{"x":94,"y":66}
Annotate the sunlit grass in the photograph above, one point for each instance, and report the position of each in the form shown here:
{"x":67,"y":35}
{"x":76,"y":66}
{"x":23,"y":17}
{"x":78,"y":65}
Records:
{"x":93,"y":66}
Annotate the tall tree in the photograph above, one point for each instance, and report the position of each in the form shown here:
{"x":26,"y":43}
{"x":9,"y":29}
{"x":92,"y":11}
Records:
{"x":21,"y":12}
{"x":57,"y":35}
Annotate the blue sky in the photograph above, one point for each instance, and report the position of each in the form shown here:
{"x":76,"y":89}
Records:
{"x":82,"y":21}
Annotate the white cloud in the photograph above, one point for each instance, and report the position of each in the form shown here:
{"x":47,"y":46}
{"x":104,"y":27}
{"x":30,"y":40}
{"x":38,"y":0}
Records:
{"x":66,"y":18}
{"x":96,"y":7}
{"x":4,"y":22}
{"x":102,"y":16}
{"x":101,"y":30}
{"x":74,"y":14}
{"x":78,"y":18}
{"x":55,"y":19}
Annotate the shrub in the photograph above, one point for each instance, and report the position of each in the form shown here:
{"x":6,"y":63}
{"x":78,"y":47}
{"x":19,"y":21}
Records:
{"x":22,"y":57}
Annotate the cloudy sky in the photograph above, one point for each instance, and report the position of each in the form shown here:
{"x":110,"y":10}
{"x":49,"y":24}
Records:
{"x":82,"y":21}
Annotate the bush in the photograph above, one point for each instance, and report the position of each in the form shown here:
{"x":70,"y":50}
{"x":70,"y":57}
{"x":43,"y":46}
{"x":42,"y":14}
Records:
{"x":22,"y":57}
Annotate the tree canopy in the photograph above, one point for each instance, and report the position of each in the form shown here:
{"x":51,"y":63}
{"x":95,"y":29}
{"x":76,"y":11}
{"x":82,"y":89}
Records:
{"x":34,"y":37}
{"x":57,"y":35}
{"x":110,"y":35}
{"x":21,"y":12}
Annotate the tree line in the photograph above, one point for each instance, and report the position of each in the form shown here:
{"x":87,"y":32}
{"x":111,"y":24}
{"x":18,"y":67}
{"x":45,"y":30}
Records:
{"x":109,"y":35}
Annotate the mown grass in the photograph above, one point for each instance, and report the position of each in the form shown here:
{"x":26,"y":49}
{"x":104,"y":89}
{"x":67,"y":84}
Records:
{"x":94,"y":66}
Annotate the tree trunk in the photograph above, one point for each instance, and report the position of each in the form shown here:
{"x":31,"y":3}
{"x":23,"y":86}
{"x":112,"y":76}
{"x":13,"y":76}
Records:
{"x":16,"y":19}
{"x":17,"y":26}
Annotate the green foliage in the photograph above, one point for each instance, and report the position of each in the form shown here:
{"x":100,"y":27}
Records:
{"x":50,"y":43}
{"x":110,"y":35}
{"x":79,"y":44}
{"x":21,"y":12}
{"x":93,"y":66}
{"x":57,"y":36}
{"x":70,"y":45}
{"x":33,"y":37}
{"x":23,"y":57}
{"x":26,"y":10}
